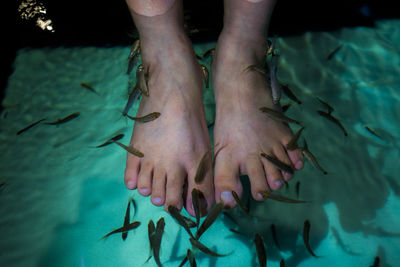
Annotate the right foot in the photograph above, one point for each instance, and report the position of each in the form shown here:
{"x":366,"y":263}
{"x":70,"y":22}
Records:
{"x":174,"y":143}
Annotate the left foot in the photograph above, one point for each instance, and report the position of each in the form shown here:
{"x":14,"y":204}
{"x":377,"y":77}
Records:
{"x":241,"y":127}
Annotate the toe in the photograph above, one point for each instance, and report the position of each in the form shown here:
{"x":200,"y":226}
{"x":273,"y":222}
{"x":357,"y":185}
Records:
{"x":280,"y":153}
{"x":174,"y":187}
{"x":257,"y":177}
{"x":274,"y":176}
{"x":296,"y":157}
{"x":226,"y":180}
{"x":145,"y":178}
{"x":131,"y":172}
{"x":158,"y":187}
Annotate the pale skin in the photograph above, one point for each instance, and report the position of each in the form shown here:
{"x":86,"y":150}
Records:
{"x":174,"y":144}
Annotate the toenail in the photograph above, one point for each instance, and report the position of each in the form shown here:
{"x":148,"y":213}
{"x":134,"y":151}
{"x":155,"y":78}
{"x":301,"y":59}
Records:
{"x":278,"y":183}
{"x":131,"y":184}
{"x":259,"y":196}
{"x":227,"y":197}
{"x":299,"y":164}
{"x":144,"y":191}
{"x":157,"y":200}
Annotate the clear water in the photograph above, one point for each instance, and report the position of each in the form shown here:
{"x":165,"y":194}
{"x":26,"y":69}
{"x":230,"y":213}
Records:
{"x":61,"y":195}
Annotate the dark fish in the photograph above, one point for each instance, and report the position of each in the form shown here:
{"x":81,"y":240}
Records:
{"x":297,"y":189}
{"x":156,"y":240}
{"x":216,"y":154}
{"x":333,"y":52}
{"x":63,"y":120}
{"x":135,"y":48}
{"x":151,"y":229}
{"x":306,"y":237}
{"x":89,"y":87}
{"x":236,"y":231}
{"x":185,"y":259}
{"x":209,"y":220}
{"x":275,"y":85}
{"x":286,"y":107}
{"x":131,"y":150}
{"x":202,"y":168}
{"x":376,"y":262}
{"x":262,"y":255}
{"x":373,"y":132}
{"x":133,"y":56}
{"x":189,"y":222}
{"x":292,"y":145}
{"x":274,"y":237}
{"x":277,"y":163}
{"x":239,"y":202}
{"x":198,"y":57}
{"x":179,"y":218}
{"x":278,"y":115}
{"x":206,"y":76}
{"x":146,"y":118}
{"x":126,"y":220}
{"x":195,"y":243}
{"x":30,"y":126}
{"x":271,"y":46}
{"x":311,"y":158}
{"x":282,"y":263}
{"x":332,"y":119}
{"x":286,"y":90}
{"x":329,"y":107}
{"x":196,"y":204}
{"x":135,"y":94}
{"x":142,"y":77}
{"x":191,"y":258}
{"x":266,"y":194}
{"x":110,"y":141}
{"x":122,"y":229}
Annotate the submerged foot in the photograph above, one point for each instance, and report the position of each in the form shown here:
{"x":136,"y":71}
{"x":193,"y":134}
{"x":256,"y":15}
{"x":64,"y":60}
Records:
{"x":174,"y":143}
{"x":241,"y":127}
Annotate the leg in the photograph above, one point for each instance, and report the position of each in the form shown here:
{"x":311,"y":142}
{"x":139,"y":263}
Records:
{"x":174,"y":143}
{"x":239,"y":124}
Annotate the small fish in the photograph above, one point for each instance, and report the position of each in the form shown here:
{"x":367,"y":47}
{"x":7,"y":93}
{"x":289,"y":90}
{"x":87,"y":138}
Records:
{"x":135,"y":94}
{"x":196,"y":243}
{"x":133,"y":56}
{"x":198,"y":57}
{"x":329,"y":107}
{"x":373,"y":132}
{"x":216,"y":154}
{"x":306,"y":237}
{"x":278,"y":115}
{"x":292,"y":145}
{"x":286,"y":90}
{"x":66,"y":119}
{"x":151,"y":229}
{"x":282,"y":263}
{"x":135,"y":49}
{"x":130,"y":149}
{"x":189,"y":222}
{"x":266,"y":194}
{"x":126,"y":220}
{"x":376,"y":262}
{"x":147,"y":118}
{"x":311,"y":158}
{"x":286,"y":107}
{"x":122,"y":229}
{"x":297,"y":189}
{"x":332,"y":119}
{"x":333,"y":52}
{"x":196,"y":204}
{"x":209,"y":220}
{"x":275,"y":85}
{"x":110,"y":141}
{"x":202,"y":168}
{"x":271,"y":47}
{"x":206,"y":76}
{"x":156,"y":240}
{"x":274,"y":237}
{"x":277,"y":163}
{"x":191,"y":258}
{"x":208,"y":53}
{"x":179,"y":218}
{"x":185,"y":259}
{"x":30,"y":126}
{"x":143,"y":80}
{"x":89,"y":87}
{"x":262,"y":255}
{"x":239,"y":202}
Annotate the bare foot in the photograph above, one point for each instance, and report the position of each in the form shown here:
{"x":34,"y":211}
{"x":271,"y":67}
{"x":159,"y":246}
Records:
{"x":174,"y":143}
{"x":240,"y":126}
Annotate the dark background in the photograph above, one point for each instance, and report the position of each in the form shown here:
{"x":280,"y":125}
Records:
{"x":108,"y":23}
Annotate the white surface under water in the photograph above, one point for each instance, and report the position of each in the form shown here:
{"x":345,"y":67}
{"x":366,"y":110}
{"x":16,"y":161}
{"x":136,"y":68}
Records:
{"x":61,"y":195}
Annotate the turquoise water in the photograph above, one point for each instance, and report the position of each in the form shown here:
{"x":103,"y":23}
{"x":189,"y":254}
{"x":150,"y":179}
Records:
{"x":61,"y":195}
